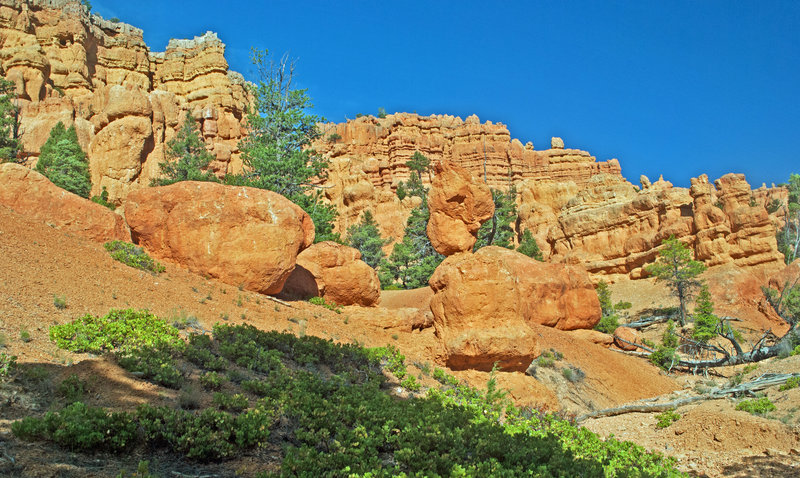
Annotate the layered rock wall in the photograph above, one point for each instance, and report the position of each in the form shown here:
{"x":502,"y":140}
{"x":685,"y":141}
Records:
{"x":125,"y":101}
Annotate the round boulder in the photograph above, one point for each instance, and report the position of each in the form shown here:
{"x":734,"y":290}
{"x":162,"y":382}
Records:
{"x":242,"y":236}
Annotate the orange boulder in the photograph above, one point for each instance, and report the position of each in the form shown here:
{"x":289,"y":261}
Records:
{"x":242,"y":236}
{"x":624,"y":337}
{"x":459,"y":204}
{"x":30,"y":193}
{"x":484,"y":305}
{"x":336,"y":273}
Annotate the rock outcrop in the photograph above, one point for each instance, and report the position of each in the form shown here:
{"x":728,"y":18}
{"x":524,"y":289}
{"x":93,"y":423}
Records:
{"x":125,"y":101}
{"x":27,"y":192}
{"x":627,"y":338}
{"x":336,"y":273}
{"x":242,"y":236}
{"x":458,"y":205}
{"x":484,"y":305}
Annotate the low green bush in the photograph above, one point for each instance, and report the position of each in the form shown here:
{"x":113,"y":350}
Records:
{"x":133,"y":256}
{"x":756,"y":406}
{"x":793,"y":382}
{"x":664,"y":357}
{"x":233,"y":403}
{"x":667,"y":418}
{"x":328,"y":305}
{"x":7,"y":364}
{"x":157,"y":364}
{"x":72,"y":389}
{"x":211,"y":381}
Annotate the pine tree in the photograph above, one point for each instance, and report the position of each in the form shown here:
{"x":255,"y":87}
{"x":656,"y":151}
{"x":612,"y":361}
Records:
{"x":187,"y":156}
{"x":63,"y":162}
{"x":366,"y":237}
{"x":529,"y":246}
{"x":676,"y":267}
{"x":705,"y":322}
{"x":276,"y":152}
{"x":499,"y":230}
{"x":9,"y":123}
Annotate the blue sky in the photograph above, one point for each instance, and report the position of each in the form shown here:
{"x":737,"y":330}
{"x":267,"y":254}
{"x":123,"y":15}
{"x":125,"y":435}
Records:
{"x":675,"y":88}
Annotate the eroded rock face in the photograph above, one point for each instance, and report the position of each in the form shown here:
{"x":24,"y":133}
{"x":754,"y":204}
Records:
{"x":336,"y":273}
{"x":30,"y":193}
{"x":125,"y":101}
{"x":242,"y":236}
{"x":484,"y":304}
{"x":458,"y":205}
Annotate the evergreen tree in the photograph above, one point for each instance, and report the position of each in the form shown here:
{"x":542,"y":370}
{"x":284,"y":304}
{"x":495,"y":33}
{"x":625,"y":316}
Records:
{"x":789,"y":236}
{"x":676,"y":267}
{"x":366,"y":237}
{"x":499,"y":230}
{"x":705,"y":322}
{"x":609,"y":319}
{"x":529,"y":246}
{"x":9,"y":123}
{"x":187,"y":156}
{"x":63,"y":162}
{"x":417,"y":165}
{"x":276,"y":152}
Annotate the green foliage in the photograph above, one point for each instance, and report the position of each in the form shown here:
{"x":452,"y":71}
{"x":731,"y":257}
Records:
{"x":211,"y":381}
{"x":401,"y":191}
{"x":676,"y":267}
{"x":669,"y":339}
{"x":334,"y":137}
{"x":9,"y":122}
{"x":187,"y":156}
{"x":667,"y":418}
{"x":60,"y":301}
{"x":276,"y":151}
{"x":234,"y":403}
{"x":87,"y":4}
{"x":773,"y":205}
{"x":529,"y":246}
{"x":7,"y":364}
{"x":122,"y":330}
{"x":381,"y":112}
{"x":664,"y":357}
{"x":63,"y":162}
{"x":366,"y":237}
{"x":155,"y":363}
{"x":499,"y":229}
{"x":328,"y":305}
{"x":609,"y":319}
{"x":133,"y":256}
{"x":756,"y":406}
{"x":705,"y":322}
{"x":786,"y":303}
{"x":789,"y":237}
{"x":25,"y":336}
{"x":72,"y":389}
{"x":573,"y":374}
{"x":102,"y":199}
{"x":80,"y":428}
{"x":791,"y":383}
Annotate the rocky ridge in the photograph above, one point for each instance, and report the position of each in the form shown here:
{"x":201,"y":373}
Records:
{"x":125,"y":101}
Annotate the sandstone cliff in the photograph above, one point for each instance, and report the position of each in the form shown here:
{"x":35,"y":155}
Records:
{"x":125,"y":101}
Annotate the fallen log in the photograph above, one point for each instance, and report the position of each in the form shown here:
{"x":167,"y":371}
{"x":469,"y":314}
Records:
{"x":762,"y":382}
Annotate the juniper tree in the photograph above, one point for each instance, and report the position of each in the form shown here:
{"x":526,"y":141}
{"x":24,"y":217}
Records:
{"x":9,"y":123}
{"x":187,"y":156}
{"x":676,"y":267}
{"x":63,"y":162}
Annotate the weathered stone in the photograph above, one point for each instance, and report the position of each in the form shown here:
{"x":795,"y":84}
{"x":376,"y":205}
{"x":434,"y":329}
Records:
{"x":242,"y":236}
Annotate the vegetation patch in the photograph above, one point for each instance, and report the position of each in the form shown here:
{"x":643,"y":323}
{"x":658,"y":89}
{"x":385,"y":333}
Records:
{"x":133,"y":256}
{"x":756,"y":406}
{"x":667,"y":418}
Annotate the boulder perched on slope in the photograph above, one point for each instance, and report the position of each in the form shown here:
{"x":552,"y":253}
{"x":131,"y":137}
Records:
{"x":484,"y":305}
{"x":336,"y":273}
{"x":30,"y":193}
{"x":242,"y":236}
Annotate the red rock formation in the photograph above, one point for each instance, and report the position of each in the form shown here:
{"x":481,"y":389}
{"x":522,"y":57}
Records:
{"x":30,"y":193}
{"x":125,"y":101}
{"x":484,"y":304}
{"x":458,"y":205}
{"x":625,"y":336}
{"x":336,"y":273}
{"x":242,"y":236}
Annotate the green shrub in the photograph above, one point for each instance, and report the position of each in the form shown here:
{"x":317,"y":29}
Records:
{"x":664,"y":357}
{"x":7,"y":364}
{"x":669,"y":339}
{"x":153,"y":363}
{"x":573,"y":374}
{"x":120,"y":329}
{"x":102,"y":199}
{"x":756,"y":406}
{"x":608,"y":324}
{"x":25,"y":336}
{"x":328,"y":305}
{"x":211,"y":381}
{"x":233,"y":403}
{"x":60,"y":302}
{"x":667,"y":418}
{"x":334,"y":137}
{"x":72,"y":389}
{"x":133,"y":256}
{"x":793,"y":382}
{"x":81,"y":428}
{"x":63,"y":162}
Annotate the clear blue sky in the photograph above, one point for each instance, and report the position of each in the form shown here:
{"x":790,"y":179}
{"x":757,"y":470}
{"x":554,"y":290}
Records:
{"x":679,"y":88}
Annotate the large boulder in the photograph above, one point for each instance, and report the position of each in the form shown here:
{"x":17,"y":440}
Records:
{"x":30,"y":193}
{"x":336,"y":273}
{"x":242,"y":236}
{"x":458,"y":204}
{"x":486,"y":305}
{"x":627,"y":338}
